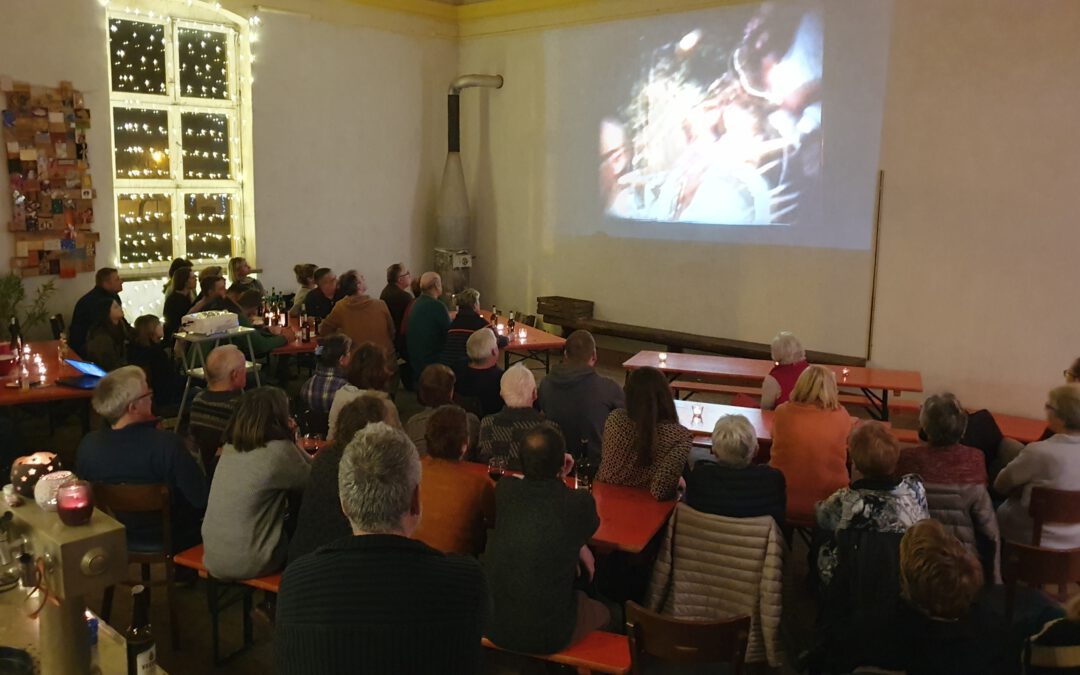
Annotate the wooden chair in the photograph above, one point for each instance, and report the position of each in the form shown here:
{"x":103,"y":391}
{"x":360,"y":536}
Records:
{"x":1052,"y":506}
{"x":1036,"y":566}
{"x":680,"y":641}
{"x":143,"y":499}
{"x":56,"y":322}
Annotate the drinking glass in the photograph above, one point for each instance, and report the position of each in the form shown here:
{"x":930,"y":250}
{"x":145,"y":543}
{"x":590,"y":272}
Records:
{"x":697,"y":409}
{"x":75,"y":502}
{"x":497,"y":467}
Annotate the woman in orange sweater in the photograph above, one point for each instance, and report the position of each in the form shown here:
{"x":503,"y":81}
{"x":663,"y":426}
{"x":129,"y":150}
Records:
{"x":457,"y":503}
{"x":809,"y":446}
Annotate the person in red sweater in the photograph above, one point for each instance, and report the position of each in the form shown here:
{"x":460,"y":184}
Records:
{"x":943,"y":459}
{"x":790,"y":359}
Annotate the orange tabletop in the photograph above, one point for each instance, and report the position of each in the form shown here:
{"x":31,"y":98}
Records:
{"x":297,"y":346}
{"x":537,"y":345}
{"x":710,"y":412}
{"x":50,"y":391}
{"x":629,"y":517}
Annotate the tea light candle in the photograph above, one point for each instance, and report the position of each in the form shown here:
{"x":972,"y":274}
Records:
{"x":845,"y":371}
{"x":697,"y":410}
{"x":521,"y":335}
{"x":663,"y":357}
{"x":499,"y":328}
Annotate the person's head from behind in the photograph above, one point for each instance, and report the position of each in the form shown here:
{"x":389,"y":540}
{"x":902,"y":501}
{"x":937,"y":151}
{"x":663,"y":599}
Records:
{"x":447,"y":433}
{"x":436,"y":385}
{"x":178,"y":263}
{"x":108,"y":279}
{"x":543,"y":452}
{"x":938,"y":575}
{"x":212,"y":286}
{"x":468,"y":300}
{"x":238,"y":269}
{"x":482,"y":348}
{"x":226,"y":369}
{"x":326,"y":281}
{"x":1072,"y":373}
{"x":148,"y":330}
{"x":124,"y":395}
{"x":261,"y":416}
{"x":399,"y":275}
{"x":355,"y":415}
{"x":431,"y":284}
{"x":305,"y":274}
{"x":648,"y":403}
{"x":236,"y":291}
{"x":352,"y":283}
{"x":787,"y":349}
{"x":874,"y":450}
{"x":333,"y":350}
{"x":368,"y":368}
{"x":249,"y":302}
{"x":379,"y":482}
{"x":518,"y":387}
{"x":210,"y":271}
{"x":734,"y":441}
{"x":942,"y":420}
{"x":1063,"y":409}
{"x":183,"y":280}
{"x":580,"y":349}
{"x":816,"y":386}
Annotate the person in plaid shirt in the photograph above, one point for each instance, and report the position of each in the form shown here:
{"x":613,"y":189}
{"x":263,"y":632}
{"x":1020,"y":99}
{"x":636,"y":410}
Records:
{"x":332,"y":355}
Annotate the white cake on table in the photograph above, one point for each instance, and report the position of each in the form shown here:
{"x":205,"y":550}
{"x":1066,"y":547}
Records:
{"x":209,"y":323}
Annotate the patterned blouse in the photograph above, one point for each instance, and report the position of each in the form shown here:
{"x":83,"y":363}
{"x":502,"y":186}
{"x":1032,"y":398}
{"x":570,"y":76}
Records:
{"x":318,"y":392}
{"x":881,"y":506}
{"x":618,"y":464}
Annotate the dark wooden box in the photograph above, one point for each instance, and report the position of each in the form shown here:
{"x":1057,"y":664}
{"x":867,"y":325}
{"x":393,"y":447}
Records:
{"x":567,"y":308}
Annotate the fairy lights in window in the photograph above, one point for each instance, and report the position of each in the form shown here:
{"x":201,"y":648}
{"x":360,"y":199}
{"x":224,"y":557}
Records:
{"x":208,"y":226}
{"x":137,"y":52}
{"x":145,"y":227}
{"x":204,"y":64}
{"x":141,"y":142}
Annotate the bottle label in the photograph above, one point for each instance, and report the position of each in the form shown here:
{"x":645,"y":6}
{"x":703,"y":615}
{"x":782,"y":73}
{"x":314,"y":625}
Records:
{"x":145,"y":662}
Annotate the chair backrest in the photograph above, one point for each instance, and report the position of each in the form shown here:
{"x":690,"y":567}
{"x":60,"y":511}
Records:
{"x":530,"y":321}
{"x":1052,"y":506}
{"x":120,"y":499}
{"x":679,"y":641}
{"x":56,"y":322}
{"x":867,"y":573}
{"x":1037,"y":566}
{"x":208,"y":441}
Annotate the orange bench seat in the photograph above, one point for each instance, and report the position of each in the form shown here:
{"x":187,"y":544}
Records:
{"x":193,"y":558}
{"x":598,"y":652}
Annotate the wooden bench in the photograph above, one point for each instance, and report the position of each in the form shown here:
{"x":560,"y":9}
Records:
{"x":696,"y":387}
{"x":220,"y":595}
{"x":598,"y":652}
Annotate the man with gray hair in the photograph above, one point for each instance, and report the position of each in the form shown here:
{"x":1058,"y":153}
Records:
{"x":379,"y":601}
{"x":465,"y":324}
{"x":426,"y":324}
{"x":502,"y":433}
{"x":226,"y":377}
{"x":478,"y":382}
{"x":729,"y":484}
{"x":133,"y":450}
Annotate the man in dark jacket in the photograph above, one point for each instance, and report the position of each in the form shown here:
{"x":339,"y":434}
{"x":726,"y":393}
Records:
{"x":96,"y":303}
{"x":576,"y":397}
{"x":396,"y":295}
{"x":425,"y":333}
{"x":378,"y":601}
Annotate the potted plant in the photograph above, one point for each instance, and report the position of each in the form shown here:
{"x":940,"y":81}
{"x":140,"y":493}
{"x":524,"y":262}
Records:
{"x":13,"y":302}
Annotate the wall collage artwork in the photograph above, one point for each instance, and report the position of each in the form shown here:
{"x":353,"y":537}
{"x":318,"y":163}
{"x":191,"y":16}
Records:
{"x":44,"y":136}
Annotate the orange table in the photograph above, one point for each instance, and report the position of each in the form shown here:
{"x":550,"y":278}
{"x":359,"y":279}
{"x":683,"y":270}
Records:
{"x":629,"y":517}
{"x":711,"y":412}
{"x":297,"y":346}
{"x":537,"y":345}
{"x":870,"y":381}
{"x":51,"y":391}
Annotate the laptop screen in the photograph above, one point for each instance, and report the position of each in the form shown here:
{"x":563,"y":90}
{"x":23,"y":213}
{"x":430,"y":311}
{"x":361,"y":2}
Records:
{"x":86,"y":368}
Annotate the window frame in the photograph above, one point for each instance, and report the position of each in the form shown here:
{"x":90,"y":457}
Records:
{"x":200,"y":16}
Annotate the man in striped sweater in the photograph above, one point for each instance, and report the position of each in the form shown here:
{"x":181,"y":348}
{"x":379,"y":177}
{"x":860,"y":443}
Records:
{"x":378,"y":601}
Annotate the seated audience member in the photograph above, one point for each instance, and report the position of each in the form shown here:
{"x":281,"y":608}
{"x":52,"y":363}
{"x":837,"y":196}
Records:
{"x":239,"y":273}
{"x":90,"y":307}
{"x":106,"y":341}
{"x":478,"y":382}
{"x":577,"y":398}
{"x":321,"y":520}
{"x":331,"y":358}
{"x":226,"y":377}
{"x":875,"y":501}
{"x":305,"y":278}
{"x":396,"y":294}
{"x":501,"y":434}
{"x":320,"y":300}
{"x":356,"y":604}
{"x":790,"y":359}
{"x":147,"y":351}
{"x":937,"y":626}
{"x":427,"y":324}
{"x":212,"y":293}
{"x":260,"y":463}
{"x":541,"y":533}
{"x":435,"y":389}
{"x":265,"y":339}
{"x":731,"y":486}
{"x":1055,"y":650}
{"x":644,"y":445}
{"x":178,"y":303}
{"x":810,"y":434}
{"x":358,"y":315}
{"x":1053,"y":463}
{"x":1072,"y":376}
{"x":133,"y":450}
{"x":458,"y":503}
{"x":467,"y":322}
{"x":368,"y":374}
{"x":170,"y":284}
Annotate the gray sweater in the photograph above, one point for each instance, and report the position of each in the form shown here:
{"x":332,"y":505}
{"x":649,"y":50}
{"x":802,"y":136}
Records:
{"x":242,"y":530}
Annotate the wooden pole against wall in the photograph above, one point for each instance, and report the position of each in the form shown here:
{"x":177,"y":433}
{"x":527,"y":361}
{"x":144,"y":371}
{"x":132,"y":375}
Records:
{"x":874,"y":272}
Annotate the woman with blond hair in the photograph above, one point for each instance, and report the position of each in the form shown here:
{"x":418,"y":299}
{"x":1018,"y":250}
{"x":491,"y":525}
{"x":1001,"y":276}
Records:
{"x":810,"y":434}
{"x":790,"y":359}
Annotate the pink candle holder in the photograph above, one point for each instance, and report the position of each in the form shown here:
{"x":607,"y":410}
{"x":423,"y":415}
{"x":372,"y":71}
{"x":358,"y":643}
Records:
{"x":75,"y":503}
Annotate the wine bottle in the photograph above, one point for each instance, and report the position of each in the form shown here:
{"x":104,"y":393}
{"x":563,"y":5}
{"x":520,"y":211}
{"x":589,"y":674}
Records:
{"x":305,"y":331}
{"x":510,"y":323}
{"x":141,"y":653}
{"x":13,"y":328}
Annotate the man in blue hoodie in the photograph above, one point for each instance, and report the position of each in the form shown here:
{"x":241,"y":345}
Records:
{"x":577,"y":398}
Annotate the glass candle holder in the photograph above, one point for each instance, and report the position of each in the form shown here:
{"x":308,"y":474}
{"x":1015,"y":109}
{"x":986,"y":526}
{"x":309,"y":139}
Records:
{"x":697,"y":409}
{"x":75,"y":503}
{"x":521,"y":335}
{"x":662,"y":356}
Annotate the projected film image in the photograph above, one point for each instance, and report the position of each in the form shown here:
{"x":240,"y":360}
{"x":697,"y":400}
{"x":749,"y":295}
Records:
{"x":723,"y":124}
